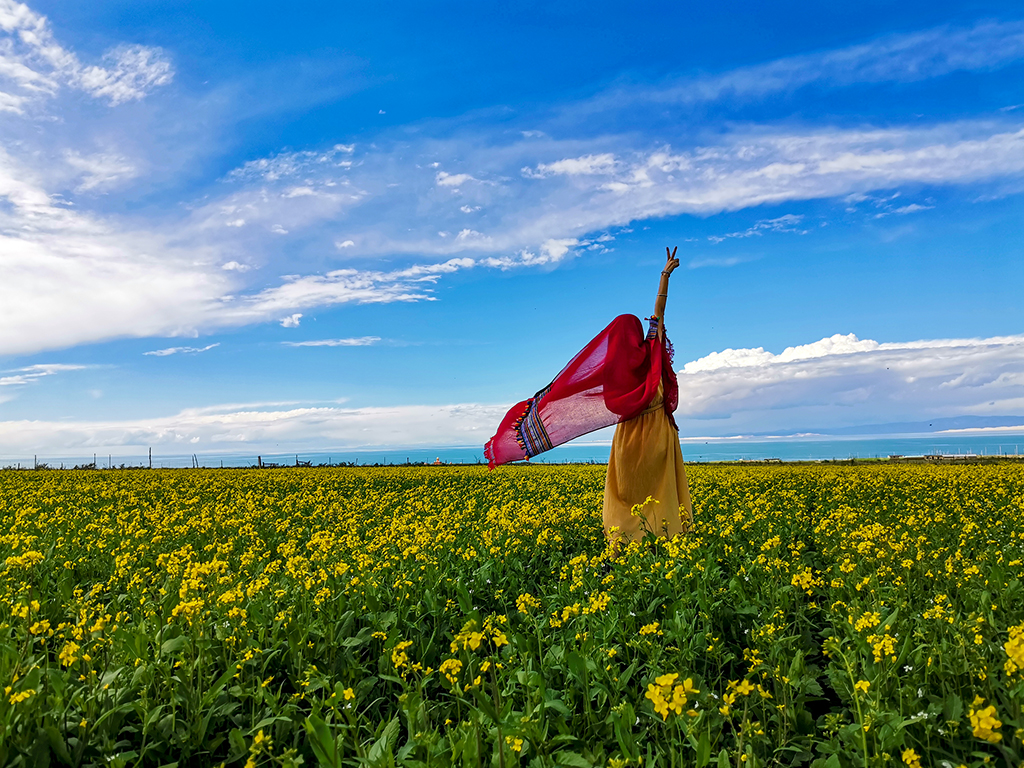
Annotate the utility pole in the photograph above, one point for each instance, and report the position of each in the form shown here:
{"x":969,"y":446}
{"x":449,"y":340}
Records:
{"x":151,"y":457}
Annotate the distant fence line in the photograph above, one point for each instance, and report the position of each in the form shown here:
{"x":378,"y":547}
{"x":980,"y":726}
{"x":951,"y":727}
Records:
{"x":296,"y":460}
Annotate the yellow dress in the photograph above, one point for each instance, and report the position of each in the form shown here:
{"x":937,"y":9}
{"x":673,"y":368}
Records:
{"x":646,"y":461}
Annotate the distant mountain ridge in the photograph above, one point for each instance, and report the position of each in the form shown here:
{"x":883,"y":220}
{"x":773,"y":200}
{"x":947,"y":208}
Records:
{"x":910,"y":427}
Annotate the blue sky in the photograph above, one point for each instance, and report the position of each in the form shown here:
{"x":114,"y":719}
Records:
{"x":230,"y":226}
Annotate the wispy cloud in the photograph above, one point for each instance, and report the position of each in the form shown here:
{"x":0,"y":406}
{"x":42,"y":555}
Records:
{"x":181,"y":350}
{"x":901,"y":58}
{"x":32,"y":373}
{"x":786,"y":223}
{"x":714,"y":261}
{"x":34,"y":65}
{"x":100,"y":170}
{"x":75,"y":273}
{"x":71,"y":264}
{"x":360,"y":341}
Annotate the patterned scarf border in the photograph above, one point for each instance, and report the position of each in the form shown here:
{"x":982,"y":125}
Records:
{"x":530,"y":432}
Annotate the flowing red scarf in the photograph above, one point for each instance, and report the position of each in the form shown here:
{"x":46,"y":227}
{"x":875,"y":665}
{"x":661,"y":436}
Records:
{"x":612,"y":379}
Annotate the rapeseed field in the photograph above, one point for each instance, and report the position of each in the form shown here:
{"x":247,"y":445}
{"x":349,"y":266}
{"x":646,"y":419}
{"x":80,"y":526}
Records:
{"x":815,"y":615}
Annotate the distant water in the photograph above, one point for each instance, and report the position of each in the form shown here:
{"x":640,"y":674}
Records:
{"x":807,"y":449}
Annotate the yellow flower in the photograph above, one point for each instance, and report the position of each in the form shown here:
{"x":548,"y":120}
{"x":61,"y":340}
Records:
{"x":862,"y":686}
{"x":657,"y":697}
{"x":17,"y":698}
{"x":984,"y":723}
{"x":67,"y":653}
{"x":451,"y":668}
{"x":650,"y":629}
{"x":526,"y":602}
{"x":745,"y":688}
{"x":515,"y":743}
{"x":349,"y":694}
{"x":911,"y":758}
{"x":398,"y":655}
{"x":1014,"y":648}
{"x":638,"y":509}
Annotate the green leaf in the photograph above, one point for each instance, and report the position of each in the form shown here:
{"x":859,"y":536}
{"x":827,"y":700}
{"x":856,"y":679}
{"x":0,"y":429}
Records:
{"x":153,"y":715}
{"x":57,"y":744}
{"x":324,"y":744}
{"x":559,"y":706}
{"x":384,"y":746}
{"x":485,"y":704}
{"x":952,"y":707}
{"x":573,"y":760}
{"x":796,"y":667}
{"x":465,"y":601}
{"x":577,"y":665}
{"x":237,"y":742}
{"x":703,"y":750}
{"x":267,"y":721}
{"x":173,"y":645}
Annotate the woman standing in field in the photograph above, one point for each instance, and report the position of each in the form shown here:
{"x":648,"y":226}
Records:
{"x":621,"y":377}
{"x":646,"y":461}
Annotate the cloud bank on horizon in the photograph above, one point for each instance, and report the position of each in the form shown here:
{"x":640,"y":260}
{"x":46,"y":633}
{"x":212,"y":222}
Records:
{"x":394,"y":216}
{"x":724,"y":394}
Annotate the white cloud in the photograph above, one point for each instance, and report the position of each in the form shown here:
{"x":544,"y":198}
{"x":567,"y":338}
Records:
{"x":471,"y":236}
{"x":100,"y":170}
{"x":361,"y":341}
{"x":298,"y":192}
{"x":132,"y":71}
{"x":35,"y":65}
{"x":837,"y":344}
{"x":181,"y":350}
{"x":587,"y":165}
{"x":234,"y":266}
{"x":913,"y":208}
{"x":345,"y":244}
{"x":842,"y":380}
{"x":452,"y":180}
{"x":72,"y":277}
{"x":292,"y":321}
{"x":787,"y":223}
{"x":32,"y":373}
{"x":289,"y":164}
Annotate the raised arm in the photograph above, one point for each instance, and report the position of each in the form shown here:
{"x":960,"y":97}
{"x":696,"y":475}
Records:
{"x":671,"y":262}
